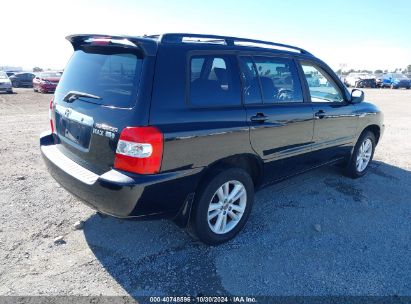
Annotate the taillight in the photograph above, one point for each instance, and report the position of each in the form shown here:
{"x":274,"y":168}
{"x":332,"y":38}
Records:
{"x":139,"y":150}
{"x":51,"y":115}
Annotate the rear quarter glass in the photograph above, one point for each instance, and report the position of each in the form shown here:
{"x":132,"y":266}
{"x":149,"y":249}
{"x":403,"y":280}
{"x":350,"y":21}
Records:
{"x":111,"y":73}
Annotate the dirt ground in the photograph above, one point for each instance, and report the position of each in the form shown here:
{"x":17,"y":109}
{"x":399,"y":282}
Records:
{"x":316,"y":234}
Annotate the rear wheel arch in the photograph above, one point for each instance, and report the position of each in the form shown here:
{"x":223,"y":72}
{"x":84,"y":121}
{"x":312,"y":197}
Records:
{"x":248,"y":162}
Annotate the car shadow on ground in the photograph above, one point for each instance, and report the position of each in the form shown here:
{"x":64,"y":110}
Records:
{"x":319,"y":233}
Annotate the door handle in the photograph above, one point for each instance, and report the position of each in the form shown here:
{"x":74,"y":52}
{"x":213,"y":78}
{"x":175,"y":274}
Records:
{"x":259,"y":117}
{"x":320,"y":114}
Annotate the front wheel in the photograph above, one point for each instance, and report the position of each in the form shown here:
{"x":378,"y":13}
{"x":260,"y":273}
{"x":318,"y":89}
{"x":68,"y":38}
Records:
{"x":223,"y":206}
{"x":362,"y":155}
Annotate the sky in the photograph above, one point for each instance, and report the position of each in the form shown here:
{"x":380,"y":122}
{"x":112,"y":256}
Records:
{"x":367,"y":34}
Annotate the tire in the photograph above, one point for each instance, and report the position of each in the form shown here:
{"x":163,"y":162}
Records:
{"x":355,"y":169}
{"x":10,"y":92}
{"x":16,"y":84}
{"x":393,"y":87}
{"x":207,"y":229}
{"x":407,"y":88}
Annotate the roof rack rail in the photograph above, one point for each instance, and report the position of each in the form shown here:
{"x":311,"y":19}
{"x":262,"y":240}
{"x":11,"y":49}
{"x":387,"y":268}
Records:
{"x":227,"y":40}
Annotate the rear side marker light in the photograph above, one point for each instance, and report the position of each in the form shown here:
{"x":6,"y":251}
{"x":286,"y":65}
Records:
{"x":139,"y":150}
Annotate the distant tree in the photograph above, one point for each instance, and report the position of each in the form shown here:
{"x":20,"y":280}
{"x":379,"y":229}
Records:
{"x":378,"y":72}
{"x":37,"y":69}
{"x":385,"y":71}
{"x":409,"y":68}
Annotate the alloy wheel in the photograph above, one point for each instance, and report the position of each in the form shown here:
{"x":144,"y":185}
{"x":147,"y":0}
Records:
{"x":364,"y":155}
{"x":227,"y":207}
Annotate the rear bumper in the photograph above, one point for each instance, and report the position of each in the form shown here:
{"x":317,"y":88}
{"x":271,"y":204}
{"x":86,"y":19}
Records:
{"x":6,"y":87}
{"x":120,"y":194}
{"x":47,"y":87}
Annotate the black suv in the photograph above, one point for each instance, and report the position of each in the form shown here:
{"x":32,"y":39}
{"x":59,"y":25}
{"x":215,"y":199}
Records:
{"x":188,"y":126}
{"x":22,"y":80}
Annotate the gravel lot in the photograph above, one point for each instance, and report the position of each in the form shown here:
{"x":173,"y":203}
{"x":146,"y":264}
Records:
{"x":316,"y":234}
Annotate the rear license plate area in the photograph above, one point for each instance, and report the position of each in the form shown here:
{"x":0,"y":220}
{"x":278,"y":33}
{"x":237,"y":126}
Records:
{"x":74,"y":126}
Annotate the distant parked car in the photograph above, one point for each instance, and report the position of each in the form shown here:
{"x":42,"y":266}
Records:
{"x":22,"y":80}
{"x":395,"y":81}
{"x":360,"y":80}
{"x":46,"y":82}
{"x":366,"y":83}
{"x":5,"y":83}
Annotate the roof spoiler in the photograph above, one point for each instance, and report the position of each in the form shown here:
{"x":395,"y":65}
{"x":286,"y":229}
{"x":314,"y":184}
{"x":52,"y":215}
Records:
{"x":147,"y":45}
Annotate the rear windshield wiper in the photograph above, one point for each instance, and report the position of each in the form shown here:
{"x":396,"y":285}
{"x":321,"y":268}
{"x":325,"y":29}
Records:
{"x":73,"y":95}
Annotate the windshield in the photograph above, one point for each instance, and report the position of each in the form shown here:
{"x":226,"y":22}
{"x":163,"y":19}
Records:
{"x":3,"y":75}
{"x":110,"y":73}
{"x":50,"y":75}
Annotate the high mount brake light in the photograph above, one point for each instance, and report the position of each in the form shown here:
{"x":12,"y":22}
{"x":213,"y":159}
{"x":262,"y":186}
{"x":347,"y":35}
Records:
{"x":139,"y":150}
{"x":109,"y":41}
{"x":51,"y":115}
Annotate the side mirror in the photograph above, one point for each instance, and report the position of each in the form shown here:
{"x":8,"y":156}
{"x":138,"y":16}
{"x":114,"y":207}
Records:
{"x":357,"y":96}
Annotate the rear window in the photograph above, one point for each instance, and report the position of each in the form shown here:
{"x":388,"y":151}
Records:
{"x":110,"y":73}
{"x":50,"y":75}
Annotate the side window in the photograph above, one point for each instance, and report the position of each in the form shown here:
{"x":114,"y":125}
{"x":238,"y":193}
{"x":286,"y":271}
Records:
{"x":214,"y":81}
{"x":251,"y":85}
{"x":196,"y":65}
{"x":322,"y":87}
{"x":279,"y":80}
